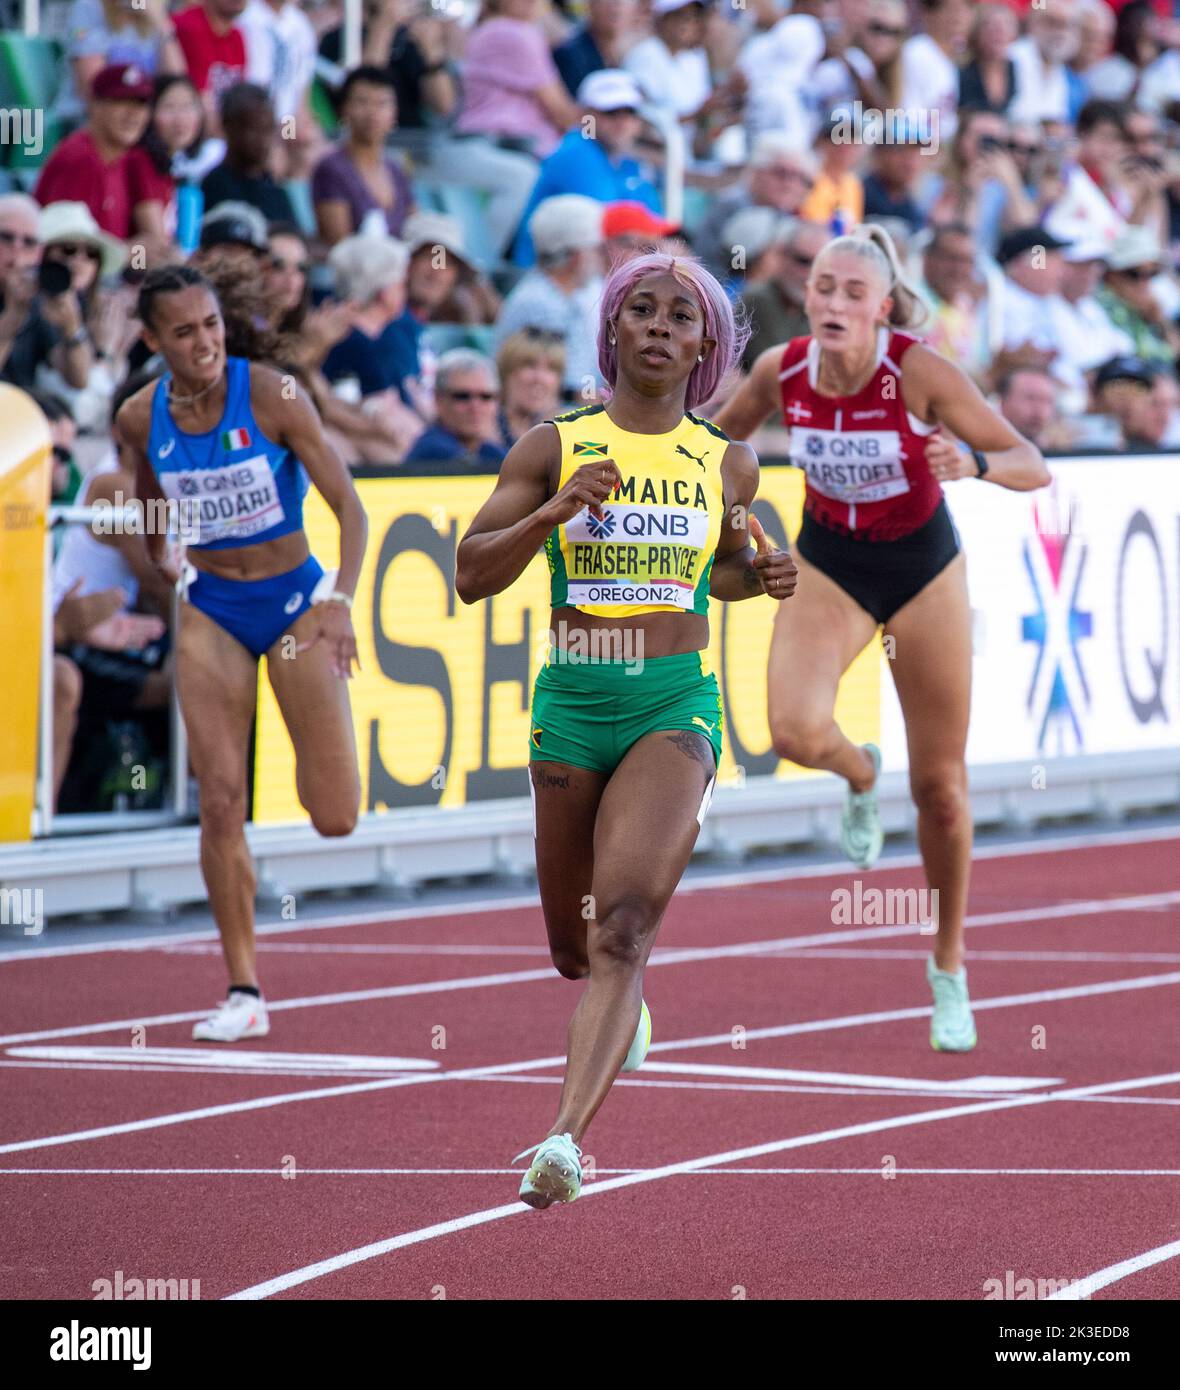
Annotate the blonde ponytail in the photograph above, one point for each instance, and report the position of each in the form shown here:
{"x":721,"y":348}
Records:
{"x":873,"y":243}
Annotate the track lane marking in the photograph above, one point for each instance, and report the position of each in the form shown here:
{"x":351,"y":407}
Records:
{"x":672,"y":956}
{"x":1103,"y":1278}
{"x":542,"y":1063}
{"x":304,"y":1275}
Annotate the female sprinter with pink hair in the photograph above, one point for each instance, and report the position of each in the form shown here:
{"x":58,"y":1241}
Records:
{"x":642,"y":509}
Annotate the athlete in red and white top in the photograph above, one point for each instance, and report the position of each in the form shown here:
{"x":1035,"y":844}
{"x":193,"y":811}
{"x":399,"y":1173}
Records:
{"x":871,"y":412}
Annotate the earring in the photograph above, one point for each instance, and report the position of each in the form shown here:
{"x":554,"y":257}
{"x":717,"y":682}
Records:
{"x":700,"y":356}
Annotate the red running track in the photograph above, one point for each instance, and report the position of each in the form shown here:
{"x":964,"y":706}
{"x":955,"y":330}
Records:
{"x":792,"y":1134}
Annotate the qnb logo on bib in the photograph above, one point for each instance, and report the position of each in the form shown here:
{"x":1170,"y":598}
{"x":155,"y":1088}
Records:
{"x":234,"y":501}
{"x":858,"y":466}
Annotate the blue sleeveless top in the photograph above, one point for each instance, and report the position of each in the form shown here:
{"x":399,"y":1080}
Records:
{"x":246,"y":488}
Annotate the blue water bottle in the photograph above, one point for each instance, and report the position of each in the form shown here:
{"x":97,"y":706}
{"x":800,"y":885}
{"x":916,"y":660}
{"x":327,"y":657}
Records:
{"x":190,"y":206}
{"x":839,"y":222}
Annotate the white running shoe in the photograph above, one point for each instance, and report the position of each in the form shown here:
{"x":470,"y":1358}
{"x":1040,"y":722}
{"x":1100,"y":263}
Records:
{"x":641,"y":1042}
{"x":861,"y":836}
{"x":240,"y":1016}
{"x":555,"y":1174}
{"x":952,"y":1027}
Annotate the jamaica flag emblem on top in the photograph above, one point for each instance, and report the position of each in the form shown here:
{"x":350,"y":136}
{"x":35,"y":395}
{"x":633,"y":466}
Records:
{"x":584,"y":449}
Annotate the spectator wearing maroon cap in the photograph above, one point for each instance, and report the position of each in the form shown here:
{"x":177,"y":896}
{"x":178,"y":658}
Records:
{"x":214,"y":48}
{"x":594,"y":157}
{"x":91,"y":165}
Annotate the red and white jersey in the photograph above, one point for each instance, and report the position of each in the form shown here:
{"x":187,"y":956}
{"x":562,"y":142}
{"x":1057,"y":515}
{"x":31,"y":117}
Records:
{"x":863,"y":455}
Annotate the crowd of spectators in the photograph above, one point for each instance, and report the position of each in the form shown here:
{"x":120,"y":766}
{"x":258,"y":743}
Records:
{"x":422,"y":236}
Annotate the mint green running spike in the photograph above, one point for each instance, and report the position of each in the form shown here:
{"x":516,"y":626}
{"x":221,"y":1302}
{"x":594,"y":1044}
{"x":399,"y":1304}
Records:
{"x":861,"y":836}
{"x":555,"y":1174}
{"x":642,"y":1041}
{"x":952,"y":1029}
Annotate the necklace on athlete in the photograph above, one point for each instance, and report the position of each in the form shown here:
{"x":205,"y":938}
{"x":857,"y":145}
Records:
{"x":174,"y":399}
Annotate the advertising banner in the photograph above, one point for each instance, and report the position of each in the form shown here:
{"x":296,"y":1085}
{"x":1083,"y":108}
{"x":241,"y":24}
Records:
{"x":441,"y":705}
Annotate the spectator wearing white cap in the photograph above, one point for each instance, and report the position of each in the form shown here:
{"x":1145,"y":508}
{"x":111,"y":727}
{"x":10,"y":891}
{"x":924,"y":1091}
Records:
{"x":599,"y":43}
{"x":1085,"y":264}
{"x":780,"y":175}
{"x":561,"y":295}
{"x":595,"y":157}
{"x":1134,"y":262}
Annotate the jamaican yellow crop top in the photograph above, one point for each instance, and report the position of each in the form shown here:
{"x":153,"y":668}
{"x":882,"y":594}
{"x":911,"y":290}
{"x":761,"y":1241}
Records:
{"x":653,"y":550}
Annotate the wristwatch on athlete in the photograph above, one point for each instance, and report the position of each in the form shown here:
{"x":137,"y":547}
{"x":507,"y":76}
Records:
{"x":980,"y":463}
{"x":77,"y":338}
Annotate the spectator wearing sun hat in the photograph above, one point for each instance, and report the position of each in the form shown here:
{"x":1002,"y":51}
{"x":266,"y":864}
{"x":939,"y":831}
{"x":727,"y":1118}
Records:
{"x":595,"y":157}
{"x":91,"y":165}
{"x":442,"y":284}
{"x":1134,"y":260}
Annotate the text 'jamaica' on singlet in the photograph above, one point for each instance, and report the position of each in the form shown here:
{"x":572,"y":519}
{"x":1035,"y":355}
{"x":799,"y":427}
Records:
{"x":240,"y":487}
{"x":863,"y":455}
{"x":653,"y":549}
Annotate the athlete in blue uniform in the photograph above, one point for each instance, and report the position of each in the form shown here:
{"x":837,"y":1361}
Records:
{"x":226,"y":441}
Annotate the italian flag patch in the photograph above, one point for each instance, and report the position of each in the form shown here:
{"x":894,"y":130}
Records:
{"x":584,"y":448}
{"x":235,"y":439}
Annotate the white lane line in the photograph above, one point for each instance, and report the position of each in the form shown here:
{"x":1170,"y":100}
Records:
{"x":836,"y":1078}
{"x":503,"y":1172}
{"x":824,"y":1025}
{"x":671,"y":956}
{"x":1083,"y":1288}
{"x":977,"y":955}
{"x":388,"y":948}
{"x":309,"y":1063}
{"x":1017,"y":850}
{"x":542,"y":1063}
{"x":320,"y":1268}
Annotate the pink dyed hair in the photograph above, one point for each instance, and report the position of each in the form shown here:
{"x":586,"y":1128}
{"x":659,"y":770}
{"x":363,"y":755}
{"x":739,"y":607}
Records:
{"x":729,"y":334}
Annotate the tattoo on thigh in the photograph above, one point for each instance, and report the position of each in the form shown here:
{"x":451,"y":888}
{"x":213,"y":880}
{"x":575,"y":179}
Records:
{"x":694,"y":746}
{"x":551,"y":779}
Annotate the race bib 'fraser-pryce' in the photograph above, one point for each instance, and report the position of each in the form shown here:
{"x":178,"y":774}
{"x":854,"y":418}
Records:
{"x":652,"y":549}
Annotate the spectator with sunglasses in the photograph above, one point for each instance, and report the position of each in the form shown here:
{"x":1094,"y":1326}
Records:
{"x":1133,"y":262}
{"x":982,"y":186}
{"x":36,"y":327}
{"x":881,"y":41}
{"x":780,"y":176}
{"x":466,"y":428}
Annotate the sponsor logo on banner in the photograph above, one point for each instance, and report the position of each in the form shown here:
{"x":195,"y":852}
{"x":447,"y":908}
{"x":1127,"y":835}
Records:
{"x":1058,"y":693}
{"x":441,"y":705}
{"x":851,"y":466}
